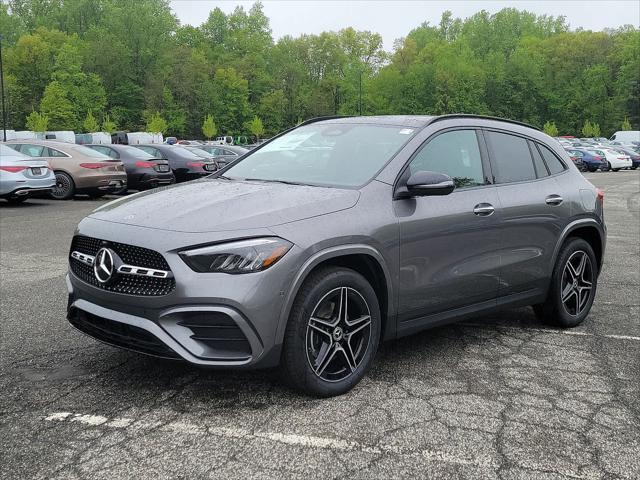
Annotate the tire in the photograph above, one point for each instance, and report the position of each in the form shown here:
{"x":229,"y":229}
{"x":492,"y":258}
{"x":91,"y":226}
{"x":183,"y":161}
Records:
{"x":579,"y":282}
{"x":65,"y":187}
{"x":633,"y":168}
{"x":592,"y":169}
{"x":16,"y":200}
{"x":615,"y":169}
{"x":329,"y":354}
{"x":607,"y":168}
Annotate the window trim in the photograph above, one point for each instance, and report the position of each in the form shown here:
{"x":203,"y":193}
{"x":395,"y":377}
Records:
{"x":63,"y":154}
{"x":564,"y":166}
{"x":531,"y":146}
{"x":481,"y":148}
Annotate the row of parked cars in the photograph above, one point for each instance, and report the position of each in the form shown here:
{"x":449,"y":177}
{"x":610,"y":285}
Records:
{"x":591,"y":154}
{"x":65,"y":169}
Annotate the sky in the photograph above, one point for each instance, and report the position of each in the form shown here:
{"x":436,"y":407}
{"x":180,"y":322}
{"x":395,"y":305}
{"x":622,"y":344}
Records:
{"x":394,"y":19}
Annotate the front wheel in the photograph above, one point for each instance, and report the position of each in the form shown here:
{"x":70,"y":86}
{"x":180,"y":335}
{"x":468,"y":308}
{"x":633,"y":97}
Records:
{"x":64,"y":188}
{"x":573,"y":286}
{"x":333,"y":333}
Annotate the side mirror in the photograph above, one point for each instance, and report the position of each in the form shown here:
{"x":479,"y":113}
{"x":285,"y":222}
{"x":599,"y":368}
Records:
{"x":423,"y":183}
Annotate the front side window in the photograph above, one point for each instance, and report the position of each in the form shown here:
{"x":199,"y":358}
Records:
{"x":331,"y":154}
{"x":454,"y":153}
{"x":32,"y":150}
{"x":510,"y":157}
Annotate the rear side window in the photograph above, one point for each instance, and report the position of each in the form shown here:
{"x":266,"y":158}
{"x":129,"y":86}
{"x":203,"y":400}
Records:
{"x":455,"y":153}
{"x":541,"y":169}
{"x":511,"y":158}
{"x":552,"y":161}
{"x":55,"y":153}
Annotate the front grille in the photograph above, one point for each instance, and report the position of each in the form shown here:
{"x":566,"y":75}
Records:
{"x":119,"y":334}
{"x":218,"y":332}
{"x":131,"y":255}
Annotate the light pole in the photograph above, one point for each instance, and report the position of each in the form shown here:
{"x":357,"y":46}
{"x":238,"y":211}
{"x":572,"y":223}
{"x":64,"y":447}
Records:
{"x":360,"y":96}
{"x":4,"y":111}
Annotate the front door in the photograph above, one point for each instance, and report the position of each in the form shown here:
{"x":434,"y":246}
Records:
{"x":448,"y":244}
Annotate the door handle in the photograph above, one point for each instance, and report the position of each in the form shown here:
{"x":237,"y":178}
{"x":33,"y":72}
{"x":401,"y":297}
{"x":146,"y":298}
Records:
{"x":553,"y":200}
{"x":484,"y":209}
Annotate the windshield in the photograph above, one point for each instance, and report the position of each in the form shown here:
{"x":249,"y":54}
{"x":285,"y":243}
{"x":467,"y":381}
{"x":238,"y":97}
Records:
{"x":335,"y":154}
{"x":90,"y":152}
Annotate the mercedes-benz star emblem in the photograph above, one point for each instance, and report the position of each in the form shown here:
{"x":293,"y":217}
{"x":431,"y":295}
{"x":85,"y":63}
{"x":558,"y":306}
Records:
{"x":104,"y":265}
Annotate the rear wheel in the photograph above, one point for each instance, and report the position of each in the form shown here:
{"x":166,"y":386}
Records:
{"x":573,"y":286}
{"x":614,"y":169}
{"x":64,"y":188}
{"x":333,"y":333}
{"x":593,"y":169}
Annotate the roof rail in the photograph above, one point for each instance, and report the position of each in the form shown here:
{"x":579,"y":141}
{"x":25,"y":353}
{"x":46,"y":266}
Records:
{"x":484,"y":117}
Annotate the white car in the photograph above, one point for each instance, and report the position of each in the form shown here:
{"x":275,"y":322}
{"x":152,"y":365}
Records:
{"x":615,"y":159}
{"x":22,"y":176}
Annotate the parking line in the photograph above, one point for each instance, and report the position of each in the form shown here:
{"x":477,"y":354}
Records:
{"x":553,"y":331}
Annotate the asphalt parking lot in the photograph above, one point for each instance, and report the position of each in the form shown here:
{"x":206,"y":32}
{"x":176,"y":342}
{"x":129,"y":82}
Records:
{"x":502,"y":396}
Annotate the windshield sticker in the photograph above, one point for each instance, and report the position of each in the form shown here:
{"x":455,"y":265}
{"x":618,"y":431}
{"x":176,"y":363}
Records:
{"x":406,"y":131}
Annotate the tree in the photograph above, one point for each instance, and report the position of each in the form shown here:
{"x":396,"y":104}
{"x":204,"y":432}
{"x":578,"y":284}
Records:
{"x":256,"y":127}
{"x":37,"y":122}
{"x":209,"y":127}
{"x":626,"y":125}
{"x":551,"y":129}
{"x":108,"y":125}
{"x":90,"y":123}
{"x":58,"y":108}
{"x":156,"y":124}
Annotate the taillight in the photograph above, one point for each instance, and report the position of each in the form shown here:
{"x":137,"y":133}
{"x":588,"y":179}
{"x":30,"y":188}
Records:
{"x":142,"y":164}
{"x":195,"y":165}
{"x":93,"y":166}
{"x":13,"y":169}
{"x":600,"y":194}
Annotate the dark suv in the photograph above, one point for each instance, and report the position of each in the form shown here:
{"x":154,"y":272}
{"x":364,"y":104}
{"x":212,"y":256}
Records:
{"x":336,"y":235}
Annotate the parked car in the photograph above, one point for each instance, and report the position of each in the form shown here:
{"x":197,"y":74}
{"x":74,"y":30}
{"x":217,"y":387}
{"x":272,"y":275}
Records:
{"x":144,"y":171}
{"x":22,"y":176}
{"x":590,"y":160}
{"x":224,"y":154}
{"x":78,"y":169}
{"x":185,"y":165}
{"x":343,"y":233}
{"x":634,"y":155}
{"x":576,"y":158}
{"x":615,"y":160}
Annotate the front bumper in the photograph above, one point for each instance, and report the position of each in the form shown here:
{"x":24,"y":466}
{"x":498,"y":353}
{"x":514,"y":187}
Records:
{"x":209,"y":319}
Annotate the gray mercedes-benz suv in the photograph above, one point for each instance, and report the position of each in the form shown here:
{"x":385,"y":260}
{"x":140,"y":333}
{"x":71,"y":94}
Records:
{"x":339,"y":234}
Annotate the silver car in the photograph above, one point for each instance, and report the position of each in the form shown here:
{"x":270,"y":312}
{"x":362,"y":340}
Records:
{"x":22,"y":176}
{"x":337,"y":235}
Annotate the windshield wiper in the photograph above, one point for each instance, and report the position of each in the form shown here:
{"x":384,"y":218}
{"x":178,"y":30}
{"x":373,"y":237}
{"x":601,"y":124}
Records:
{"x":286,"y":182}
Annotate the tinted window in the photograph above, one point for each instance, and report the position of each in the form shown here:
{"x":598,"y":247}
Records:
{"x":228,"y":152}
{"x":105,"y":151}
{"x":455,"y":153}
{"x":553,"y":162}
{"x":151,"y":151}
{"x":55,"y":153}
{"x":541,"y":169}
{"x":510,"y":158}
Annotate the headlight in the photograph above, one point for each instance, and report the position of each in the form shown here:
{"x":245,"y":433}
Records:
{"x":243,"y":256}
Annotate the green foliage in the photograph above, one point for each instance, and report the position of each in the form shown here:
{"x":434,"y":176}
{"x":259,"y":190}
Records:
{"x":58,"y":108}
{"x":156,"y":124}
{"x":77,"y":56}
{"x":256,"y":127}
{"x":209,"y":127}
{"x":590,"y":129}
{"x":550,"y":129}
{"x":626,"y":125}
{"x":108,"y":125}
{"x":90,"y":123}
{"x":37,"y":122}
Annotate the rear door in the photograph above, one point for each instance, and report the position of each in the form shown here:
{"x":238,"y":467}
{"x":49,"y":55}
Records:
{"x":533,"y":212}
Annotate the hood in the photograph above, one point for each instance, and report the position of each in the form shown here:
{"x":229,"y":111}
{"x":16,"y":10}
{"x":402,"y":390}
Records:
{"x":210,"y":205}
